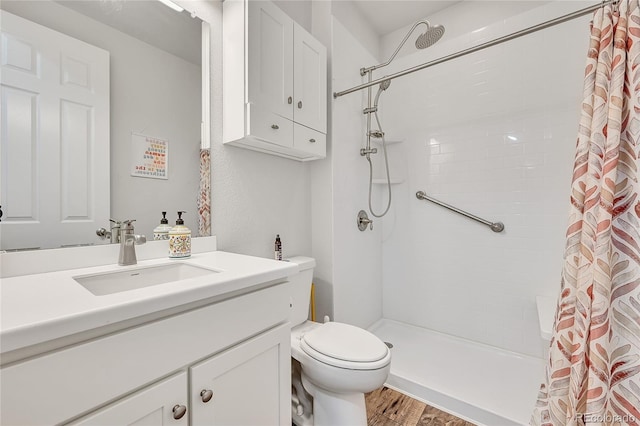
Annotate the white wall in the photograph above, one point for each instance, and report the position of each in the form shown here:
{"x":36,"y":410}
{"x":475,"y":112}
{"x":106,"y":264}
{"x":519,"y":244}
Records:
{"x":349,"y":15}
{"x":492,"y":133}
{"x":321,"y":174}
{"x":299,"y":11}
{"x":357,"y":256}
{"x":255,"y":196}
{"x":459,"y":20}
{"x":138,"y":72}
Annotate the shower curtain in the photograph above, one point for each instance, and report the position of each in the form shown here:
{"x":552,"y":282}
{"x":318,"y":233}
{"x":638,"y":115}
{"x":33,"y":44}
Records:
{"x":593,"y":373}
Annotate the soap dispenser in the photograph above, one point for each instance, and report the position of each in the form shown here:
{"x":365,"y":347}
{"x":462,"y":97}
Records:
{"x":179,"y":239}
{"x":161,"y":232}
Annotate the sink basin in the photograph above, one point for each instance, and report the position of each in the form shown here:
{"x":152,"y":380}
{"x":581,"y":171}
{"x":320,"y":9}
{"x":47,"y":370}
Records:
{"x":131,"y":279}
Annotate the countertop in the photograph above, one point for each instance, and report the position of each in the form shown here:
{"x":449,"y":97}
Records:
{"x":42,"y":307}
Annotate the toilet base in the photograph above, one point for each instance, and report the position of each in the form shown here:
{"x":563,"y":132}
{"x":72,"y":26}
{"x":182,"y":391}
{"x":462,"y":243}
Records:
{"x":333,"y":409}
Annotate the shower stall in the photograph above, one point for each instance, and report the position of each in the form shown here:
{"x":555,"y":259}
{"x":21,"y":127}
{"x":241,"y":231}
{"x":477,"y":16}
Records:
{"x":490,"y":132}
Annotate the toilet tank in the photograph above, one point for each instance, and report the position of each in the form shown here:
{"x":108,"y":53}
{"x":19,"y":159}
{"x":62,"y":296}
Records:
{"x":301,"y":289}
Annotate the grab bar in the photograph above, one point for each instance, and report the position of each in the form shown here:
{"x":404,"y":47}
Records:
{"x":495,"y":226}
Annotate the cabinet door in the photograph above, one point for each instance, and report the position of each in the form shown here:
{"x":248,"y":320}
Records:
{"x":249,"y":384}
{"x":310,"y":81}
{"x":159,"y":404}
{"x":270,"y":58}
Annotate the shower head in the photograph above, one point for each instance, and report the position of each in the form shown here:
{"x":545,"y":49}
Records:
{"x":385,"y":84}
{"x":429,"y":37}
{"x":426,"y":39}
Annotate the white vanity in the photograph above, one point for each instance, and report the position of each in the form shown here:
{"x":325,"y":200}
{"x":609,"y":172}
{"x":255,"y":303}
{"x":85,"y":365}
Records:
{"x":210,"y":349}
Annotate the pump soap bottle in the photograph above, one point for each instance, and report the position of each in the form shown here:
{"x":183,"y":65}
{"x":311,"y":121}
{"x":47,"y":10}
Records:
{"x":179,"y":239}
{"x":161,"y":232}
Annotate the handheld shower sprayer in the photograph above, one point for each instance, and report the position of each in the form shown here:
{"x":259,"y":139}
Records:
{"x":383,"y":86}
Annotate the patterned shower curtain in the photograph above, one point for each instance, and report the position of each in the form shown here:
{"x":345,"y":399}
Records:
{"x":593,"y":373}
{"x":204,"y":194}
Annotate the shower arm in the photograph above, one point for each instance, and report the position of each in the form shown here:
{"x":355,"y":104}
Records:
{"x":364,"y":71}
{"x":499,"y":40}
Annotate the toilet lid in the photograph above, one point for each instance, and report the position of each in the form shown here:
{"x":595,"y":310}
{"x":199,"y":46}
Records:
{"x":345,"y":342}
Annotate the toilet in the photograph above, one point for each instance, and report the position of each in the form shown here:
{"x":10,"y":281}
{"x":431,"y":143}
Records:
{"x":333,"y":364}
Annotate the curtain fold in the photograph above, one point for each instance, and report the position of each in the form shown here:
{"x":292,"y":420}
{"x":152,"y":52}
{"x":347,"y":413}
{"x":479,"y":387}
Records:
{"x":593,"y":371}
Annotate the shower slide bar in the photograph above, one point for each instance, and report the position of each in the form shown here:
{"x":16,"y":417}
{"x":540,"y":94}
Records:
{"x":495,"y":226}
{"x":499,"y":40}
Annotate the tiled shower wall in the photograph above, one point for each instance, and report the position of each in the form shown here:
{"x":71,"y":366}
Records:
{"x":492,"y":133}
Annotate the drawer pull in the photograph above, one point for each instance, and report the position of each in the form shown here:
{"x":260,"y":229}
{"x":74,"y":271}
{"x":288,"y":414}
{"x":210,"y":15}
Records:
{"x":179,"y":411}
{"x":299,"y":104}
{"x":290,"y":100}
{"x":206,"y":395}
{"x":312,"y":140}
{"x":275,"y":126}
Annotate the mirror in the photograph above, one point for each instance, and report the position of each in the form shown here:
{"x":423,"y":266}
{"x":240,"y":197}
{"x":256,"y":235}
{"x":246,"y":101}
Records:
{"x":154,"y":86}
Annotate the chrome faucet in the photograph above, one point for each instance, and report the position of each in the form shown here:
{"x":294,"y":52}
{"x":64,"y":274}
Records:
{"x":128,"y":240}
{"x":113,"y":234}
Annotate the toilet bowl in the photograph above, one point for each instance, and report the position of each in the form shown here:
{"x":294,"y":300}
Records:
{"x":338,"y":363}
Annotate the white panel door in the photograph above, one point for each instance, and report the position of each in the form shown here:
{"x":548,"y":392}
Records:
{"x":163,"y":403}
{"x":249,"y":384}
{"x":270,"y":57}
{"x":54,"y":156}
{"x":310,"y":81}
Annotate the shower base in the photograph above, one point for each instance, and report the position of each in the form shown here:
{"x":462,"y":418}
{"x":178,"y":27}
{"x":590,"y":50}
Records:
{"x":479,"y":383}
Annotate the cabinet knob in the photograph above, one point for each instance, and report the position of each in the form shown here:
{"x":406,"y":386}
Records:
{"x":275,"y":126}
{"x":179,"y":411}
{"x":289,"y":100}
{"x":312,"y":140}
{"x":206,"y":395}
{"x":299,"y":104}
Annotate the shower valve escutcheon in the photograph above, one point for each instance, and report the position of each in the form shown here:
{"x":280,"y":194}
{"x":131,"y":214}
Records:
{"x":364,"y":221}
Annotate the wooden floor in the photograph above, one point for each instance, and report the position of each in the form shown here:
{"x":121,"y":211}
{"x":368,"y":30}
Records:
{"x":386,"y":407}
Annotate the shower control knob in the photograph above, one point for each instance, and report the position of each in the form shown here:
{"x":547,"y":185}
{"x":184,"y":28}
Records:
{"x":179,"y":411}
{"x":275,"y":126}
{"x":299,"y":104}
{"x":364,"y":221}
{"x":206,"y":395}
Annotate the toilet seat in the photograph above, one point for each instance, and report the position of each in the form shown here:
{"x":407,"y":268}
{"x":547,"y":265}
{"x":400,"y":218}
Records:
{"x":345,"y":346}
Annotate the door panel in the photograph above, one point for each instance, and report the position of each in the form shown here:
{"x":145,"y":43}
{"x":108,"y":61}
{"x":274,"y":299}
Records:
{"x":54,"y":182}
{"x":310,"y":80}
{"x":152,"y":406}
{"x":251,"y":383}
{"x":270,"y":58}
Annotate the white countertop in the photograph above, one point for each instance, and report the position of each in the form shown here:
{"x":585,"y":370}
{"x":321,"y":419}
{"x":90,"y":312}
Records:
{"x":42,"y":307}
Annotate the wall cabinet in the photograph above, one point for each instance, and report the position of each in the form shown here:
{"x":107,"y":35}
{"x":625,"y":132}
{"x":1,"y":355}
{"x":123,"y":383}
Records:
{"x":275,"y":82}
{"x":223,"y":364}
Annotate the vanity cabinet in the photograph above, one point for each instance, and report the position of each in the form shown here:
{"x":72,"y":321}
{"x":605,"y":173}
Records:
{"x":275,"y":82}
{"x":237,"y":386}
{"x":226,"y":363}
{"x":158,"y":404}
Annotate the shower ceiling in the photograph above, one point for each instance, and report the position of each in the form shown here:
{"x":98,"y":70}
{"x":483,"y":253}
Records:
{"x":386,"y":16}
